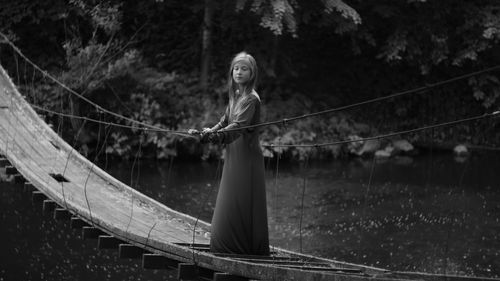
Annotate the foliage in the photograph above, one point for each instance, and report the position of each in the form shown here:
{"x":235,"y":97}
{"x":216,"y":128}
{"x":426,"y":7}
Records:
{"x":141,"y":58}
{"x":486,"y":89}
{"x":345,"y":10}
{"x":276,"y":15}
{"x":310,"y":131}
{"x":446,"y":33}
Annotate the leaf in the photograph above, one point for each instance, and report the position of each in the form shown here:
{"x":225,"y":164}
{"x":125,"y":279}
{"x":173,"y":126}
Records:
{"x":345,"y":10}
{"x":240,"y":5}
{"x":478,"y":94}
{"x":395,"y":46}
{"x":490,"y":32}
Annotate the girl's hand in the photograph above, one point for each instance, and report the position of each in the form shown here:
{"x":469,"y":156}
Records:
{"x":193,"y":132}
{"x":207,"y":130}
{"x":216,"y":137}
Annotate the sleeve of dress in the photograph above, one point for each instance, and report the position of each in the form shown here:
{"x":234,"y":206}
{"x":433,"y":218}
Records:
{"x":223,"y":122}
{"x":244,"y":116}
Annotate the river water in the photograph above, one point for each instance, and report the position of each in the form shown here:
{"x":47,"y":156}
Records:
{"x":435,"y":213}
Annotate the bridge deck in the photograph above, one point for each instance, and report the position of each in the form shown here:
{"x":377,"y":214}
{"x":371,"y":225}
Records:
{"x":37,"y":152}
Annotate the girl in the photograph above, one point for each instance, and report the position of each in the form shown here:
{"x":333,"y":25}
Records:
{"x":239,"y":222}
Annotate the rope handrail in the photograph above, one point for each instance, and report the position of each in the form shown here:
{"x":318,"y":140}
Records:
{"x":97,"y":106}
{"x":85,"y":118}
{"x":478,"y":117}
{"x":185,"y":134}
{"x":150,"y":127}
{"x":406,"y":92}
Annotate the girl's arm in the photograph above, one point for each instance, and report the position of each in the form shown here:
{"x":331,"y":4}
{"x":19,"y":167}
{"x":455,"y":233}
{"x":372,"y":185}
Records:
{"x":243,"y":118}
{"x":222,"y":123}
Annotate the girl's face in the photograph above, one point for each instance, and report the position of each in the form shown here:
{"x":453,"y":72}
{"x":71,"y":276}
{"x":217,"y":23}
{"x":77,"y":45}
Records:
{"x":241,"y":73}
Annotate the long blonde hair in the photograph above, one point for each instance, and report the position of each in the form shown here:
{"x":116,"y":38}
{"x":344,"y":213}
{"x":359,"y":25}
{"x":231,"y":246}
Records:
{"x":251,"y":83}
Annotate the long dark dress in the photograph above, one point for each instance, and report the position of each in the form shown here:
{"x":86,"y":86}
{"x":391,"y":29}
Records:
{"x":239,"y":223}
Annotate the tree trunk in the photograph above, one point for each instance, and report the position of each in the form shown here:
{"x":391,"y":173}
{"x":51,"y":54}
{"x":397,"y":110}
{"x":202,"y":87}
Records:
{"x":206,"y":44}
{"x":275,"y":52}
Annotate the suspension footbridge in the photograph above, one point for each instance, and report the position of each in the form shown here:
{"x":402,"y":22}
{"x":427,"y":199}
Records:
{"x":74,"y":188}
{"x":119,"y":216}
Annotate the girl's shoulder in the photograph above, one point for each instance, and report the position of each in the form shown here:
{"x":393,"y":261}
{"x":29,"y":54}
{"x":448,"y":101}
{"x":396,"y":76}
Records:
{"x":248,"y":99}
{"x":254,"y":95}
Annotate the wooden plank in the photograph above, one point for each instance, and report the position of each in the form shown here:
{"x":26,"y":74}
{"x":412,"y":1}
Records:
{"x":10,"y":170}
{"x":90,"y":232}
{"x":205,"y":273}
{"x":197,"y":245}
{"x":155,"y":261}
{"x":127,"y":251}
{"x":4,"y":162}
{"x":77,"y":223}
{"x":19,"y":179}
{"x":28,"y":187}
{"x":187,"y":271}
{"x":228,"y":277}
{"x":61,"y":214}
{"x":49,"y":205}
{"x":200,"y":249}
{"x":37,"y":196}
{"x":108,"y":242}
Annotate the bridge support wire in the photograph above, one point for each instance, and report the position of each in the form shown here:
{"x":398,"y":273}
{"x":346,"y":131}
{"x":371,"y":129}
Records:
{"x":136,"y":160}
{"x":67,"y":161}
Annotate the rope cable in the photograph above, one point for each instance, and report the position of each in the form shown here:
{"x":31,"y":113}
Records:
{"x":137,"y":154}
{"x":477,"y":117}
{"x":304,"y":185}
{"x":149,"y":233}
{"x":33,"y":133}
{"x":14,"y":106}
{"x":97,"y":106}
{"x":92,"y":168}
{"x":283,"y":121}
{"x":276,"y":189}
{"x":398,"y":94}
{"x":33,"y":92}
{"x":16,"y":59}
{"x":67,"y":115}
{"x":140,"y":222}
{"x":450,"y":225}
{"x":170,"y":165}
{"x":67,"y":161}
{"x":107,"y":130}
{"x":367,"y":193}
{"x":126,"y":44}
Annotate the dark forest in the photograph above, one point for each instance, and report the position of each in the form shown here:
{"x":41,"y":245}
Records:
{"x":165,"y":63}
